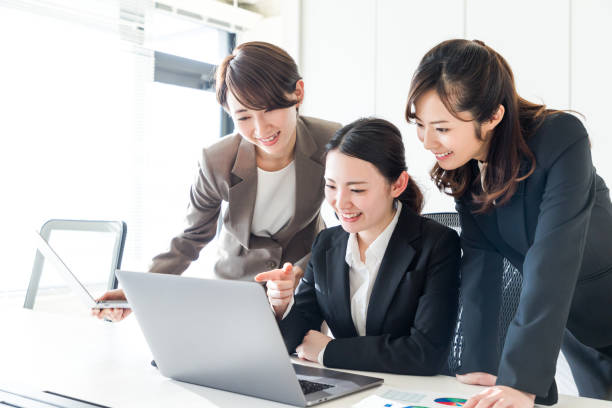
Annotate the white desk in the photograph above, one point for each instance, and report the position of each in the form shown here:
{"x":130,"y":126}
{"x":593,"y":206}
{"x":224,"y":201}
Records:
{"x":109,"y":364}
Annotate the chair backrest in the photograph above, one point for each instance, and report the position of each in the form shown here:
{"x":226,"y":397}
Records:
{"x":118,"y":229}
{"x":511,"y":291}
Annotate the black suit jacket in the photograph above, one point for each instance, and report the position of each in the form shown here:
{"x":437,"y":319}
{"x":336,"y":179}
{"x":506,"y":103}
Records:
{"x":556,"y":230}
{"x":412,"y":307}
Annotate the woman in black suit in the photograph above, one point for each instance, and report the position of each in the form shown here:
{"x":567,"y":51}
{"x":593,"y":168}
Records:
{"x":525,"y":189}
{"x":386,"y":279}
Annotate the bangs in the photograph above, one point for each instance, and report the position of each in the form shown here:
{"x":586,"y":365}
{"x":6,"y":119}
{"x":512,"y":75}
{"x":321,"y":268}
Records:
{"x":259,"y":89}
{"x":448,"y":92}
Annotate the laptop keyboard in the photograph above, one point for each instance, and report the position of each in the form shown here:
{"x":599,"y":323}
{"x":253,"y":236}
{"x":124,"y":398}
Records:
{"x":308,"y":387}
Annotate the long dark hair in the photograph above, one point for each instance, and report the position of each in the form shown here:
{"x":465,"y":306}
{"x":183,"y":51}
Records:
{"x":379,"y":142}
{"x":260,"y":75}
{"x":469,"y":76}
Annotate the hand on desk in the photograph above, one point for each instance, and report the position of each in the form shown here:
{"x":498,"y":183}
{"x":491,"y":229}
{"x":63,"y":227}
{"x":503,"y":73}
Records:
{"x":113,"y":314}
{"x":477,"y":378}
{"x":312,"y":344}
{"x":496,"y":396}
{"x":281,"y":284}
{"x":501,"y":396}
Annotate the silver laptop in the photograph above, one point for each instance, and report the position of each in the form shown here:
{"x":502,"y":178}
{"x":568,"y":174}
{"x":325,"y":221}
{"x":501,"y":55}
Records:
{"x":223,"y":334}
{"x":72,"y":281}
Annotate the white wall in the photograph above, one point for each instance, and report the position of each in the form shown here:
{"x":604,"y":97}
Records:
{"x":358,"y":56}
{"x":591,"y":68}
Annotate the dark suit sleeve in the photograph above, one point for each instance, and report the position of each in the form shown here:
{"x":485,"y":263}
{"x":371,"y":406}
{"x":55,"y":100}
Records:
{"x":425,"y":350}
{"x":551,"y":267}
{"x":202,"y":216}
{"x":305,"y":314}
{"x":481,"y":280}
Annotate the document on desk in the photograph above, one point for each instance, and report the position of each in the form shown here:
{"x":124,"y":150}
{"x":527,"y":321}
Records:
{"x":394,"y":398}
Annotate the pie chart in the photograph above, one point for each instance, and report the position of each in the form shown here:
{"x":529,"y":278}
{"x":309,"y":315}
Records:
{"x":451,"y":402}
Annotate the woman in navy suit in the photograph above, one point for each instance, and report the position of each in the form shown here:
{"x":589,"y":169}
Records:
{"x":525,"y":189}
{"x":386,"y":279}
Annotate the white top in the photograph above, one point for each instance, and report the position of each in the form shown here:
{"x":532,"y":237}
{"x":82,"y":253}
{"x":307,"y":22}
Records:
{"x":482,"y":167}
{"x":275,"y":200}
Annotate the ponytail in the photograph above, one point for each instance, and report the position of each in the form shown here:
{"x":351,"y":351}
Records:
{"x":412,"y":197}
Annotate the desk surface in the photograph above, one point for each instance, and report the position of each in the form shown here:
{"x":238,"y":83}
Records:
{"x":108,"y":363}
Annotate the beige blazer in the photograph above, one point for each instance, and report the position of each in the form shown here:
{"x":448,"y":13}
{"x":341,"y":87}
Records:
{"x":228,"y":172}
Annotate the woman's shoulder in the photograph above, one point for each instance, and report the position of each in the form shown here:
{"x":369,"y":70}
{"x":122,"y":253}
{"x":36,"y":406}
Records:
{"x":331,"y":234}
{"x":225,"y":145}
{"x":219,"y":157}
{"x":329,"y":237}
{"x":555,"y":134}
{"x":320,"y":129}
{"x":428,"y":231}
{"x":434,"y":230}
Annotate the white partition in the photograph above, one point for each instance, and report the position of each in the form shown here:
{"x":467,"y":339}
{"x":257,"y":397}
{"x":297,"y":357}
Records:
{"x":590,"y":80}
{"x":358,"y":57}
{"x":406,"y":30}
{"x":533,"y":36}
{"x":338,"y":58}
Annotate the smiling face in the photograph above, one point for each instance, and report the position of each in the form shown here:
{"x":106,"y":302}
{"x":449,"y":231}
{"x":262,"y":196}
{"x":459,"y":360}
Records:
{"x":359,"y":194}
{"x":272,"y":131}
{"x":452,"y":140}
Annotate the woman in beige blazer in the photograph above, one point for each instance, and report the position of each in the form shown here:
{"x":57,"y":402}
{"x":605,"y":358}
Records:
{"x":270,"y":172}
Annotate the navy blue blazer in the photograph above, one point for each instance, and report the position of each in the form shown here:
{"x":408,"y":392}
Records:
{"x":556,"y":229}
{"x":412,"y":308}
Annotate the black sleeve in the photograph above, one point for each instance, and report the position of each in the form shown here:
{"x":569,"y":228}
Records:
{"x":550,"y":271}
{"x":425,"y":350}
{"x":481,"y":281}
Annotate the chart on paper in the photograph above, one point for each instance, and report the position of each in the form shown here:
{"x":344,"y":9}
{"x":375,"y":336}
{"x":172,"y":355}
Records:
{"x":393,"y":398}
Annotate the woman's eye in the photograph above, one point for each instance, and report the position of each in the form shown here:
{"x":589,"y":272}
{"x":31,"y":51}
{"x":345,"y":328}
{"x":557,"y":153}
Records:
{"x":243,"y":118}
{"x":419,"y":125}
{"x":357,"y":191}
{"x":442,"y":130}
{"x":330,"y":187}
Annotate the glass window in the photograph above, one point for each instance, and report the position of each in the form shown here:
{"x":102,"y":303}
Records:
{"x":88,"y":135}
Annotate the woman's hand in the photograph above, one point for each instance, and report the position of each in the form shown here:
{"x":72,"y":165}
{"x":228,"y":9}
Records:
{"x":311,"y":346}
{"x":280,"y":284}
{"x":501,"y":396}
{"x":114,"y":314}
{"x":477,"y":378}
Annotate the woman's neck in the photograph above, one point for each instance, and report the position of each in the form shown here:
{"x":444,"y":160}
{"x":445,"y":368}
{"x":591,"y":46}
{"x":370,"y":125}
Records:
{"x":366,"y":237}
{"x":272,"y":162}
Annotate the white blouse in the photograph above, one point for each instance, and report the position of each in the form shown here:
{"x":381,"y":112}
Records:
{"x":275,"y":200}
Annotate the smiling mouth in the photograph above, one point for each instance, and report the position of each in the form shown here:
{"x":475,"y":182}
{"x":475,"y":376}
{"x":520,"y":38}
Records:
{"x":349,"y":217}
{"x":269,"y":138}
{"x":443,"y":155}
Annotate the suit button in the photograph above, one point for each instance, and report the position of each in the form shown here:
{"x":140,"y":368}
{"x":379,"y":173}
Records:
{"x":271,"y":264}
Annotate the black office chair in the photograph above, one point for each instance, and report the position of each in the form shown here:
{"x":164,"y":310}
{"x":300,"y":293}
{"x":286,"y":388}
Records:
{"x":118,"y":229}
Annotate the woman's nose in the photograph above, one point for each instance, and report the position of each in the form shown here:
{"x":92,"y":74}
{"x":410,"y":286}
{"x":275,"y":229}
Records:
{"x":430,"y":139}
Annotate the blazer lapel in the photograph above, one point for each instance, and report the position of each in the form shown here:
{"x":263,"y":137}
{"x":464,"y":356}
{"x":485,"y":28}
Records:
{"x":338,"y":287}
{"x":243,"y":192}
{"x":309,"y":179}
{"x":508,"y":220}
{"x":397,"y":258}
